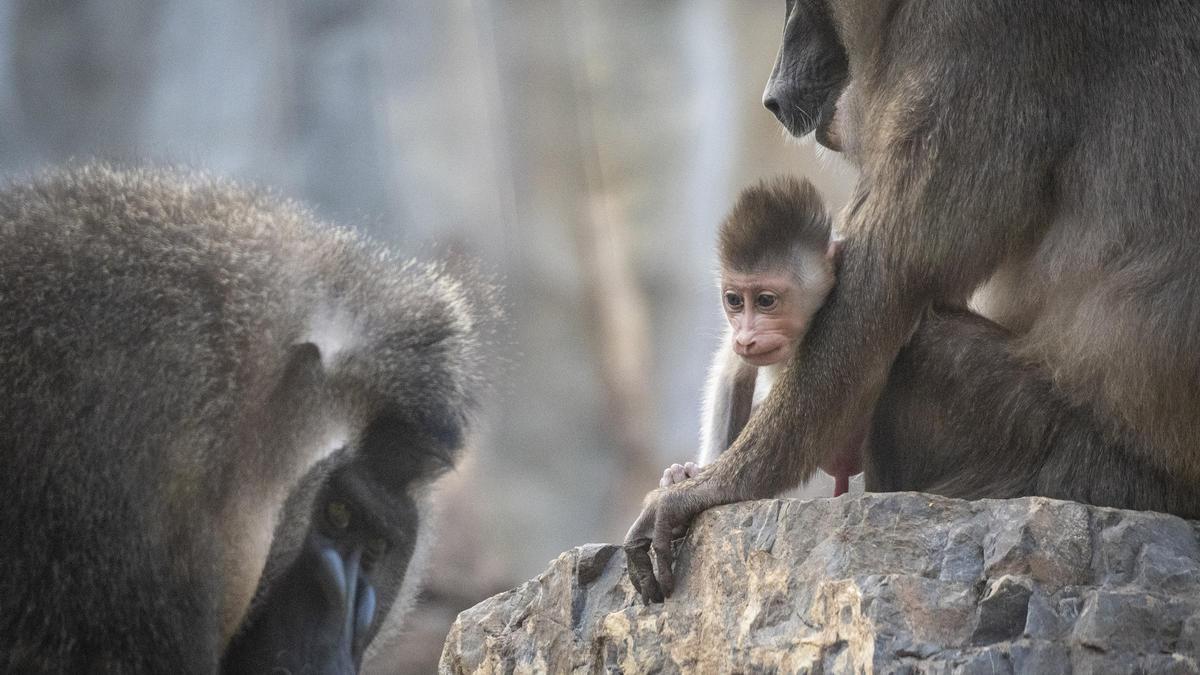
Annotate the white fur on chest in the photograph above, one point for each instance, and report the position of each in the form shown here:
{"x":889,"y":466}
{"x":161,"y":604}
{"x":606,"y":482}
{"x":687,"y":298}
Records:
{"x":763,"y":381}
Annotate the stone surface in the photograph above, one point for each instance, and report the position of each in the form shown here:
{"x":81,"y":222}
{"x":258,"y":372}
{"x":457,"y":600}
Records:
{"x":889,"y":583}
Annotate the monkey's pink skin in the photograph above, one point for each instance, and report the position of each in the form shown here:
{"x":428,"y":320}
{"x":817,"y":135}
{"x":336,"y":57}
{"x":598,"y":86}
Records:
{"x":841,"y":484}
{"x":846,"y":462}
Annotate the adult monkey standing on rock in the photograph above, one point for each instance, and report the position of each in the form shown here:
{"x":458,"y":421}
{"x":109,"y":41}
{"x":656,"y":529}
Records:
{"x":1043,"y":157}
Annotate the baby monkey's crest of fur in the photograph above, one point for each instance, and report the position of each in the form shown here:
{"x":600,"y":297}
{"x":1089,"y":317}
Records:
{"x":770,"y":222}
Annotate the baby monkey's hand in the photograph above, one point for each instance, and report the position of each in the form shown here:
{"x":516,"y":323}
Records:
{"x":677,"y":473}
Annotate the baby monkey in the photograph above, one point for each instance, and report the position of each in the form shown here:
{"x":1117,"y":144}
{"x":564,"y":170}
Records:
{"x":778,"y":262}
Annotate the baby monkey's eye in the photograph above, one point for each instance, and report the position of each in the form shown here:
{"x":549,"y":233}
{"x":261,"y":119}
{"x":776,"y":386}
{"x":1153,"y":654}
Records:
{"x":766,"y":301}
{"x":733,"y":300}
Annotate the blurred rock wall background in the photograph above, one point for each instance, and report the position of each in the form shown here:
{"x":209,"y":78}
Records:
{"x":583,"y":150}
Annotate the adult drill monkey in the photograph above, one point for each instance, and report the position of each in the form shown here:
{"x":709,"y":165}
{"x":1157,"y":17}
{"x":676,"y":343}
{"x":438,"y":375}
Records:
{"x":219,"y":419}
{"x":1042,"y":154}
{"x":778,"y":260}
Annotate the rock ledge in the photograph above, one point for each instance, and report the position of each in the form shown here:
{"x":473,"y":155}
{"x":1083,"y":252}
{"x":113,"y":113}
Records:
{"x":888,"y":583}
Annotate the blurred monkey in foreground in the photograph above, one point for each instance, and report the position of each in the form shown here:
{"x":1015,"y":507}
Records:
{"x":778,"y":262}
{"x":219,"y":420}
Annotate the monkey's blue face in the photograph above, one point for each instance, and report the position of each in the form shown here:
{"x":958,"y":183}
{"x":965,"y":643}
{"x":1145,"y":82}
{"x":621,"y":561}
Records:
{"x":810,"y":71}
{"x":335,"y":575}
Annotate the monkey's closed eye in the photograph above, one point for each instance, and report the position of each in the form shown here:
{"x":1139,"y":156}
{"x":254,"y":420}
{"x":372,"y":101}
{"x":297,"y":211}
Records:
{"x":338,"y":515}
{"x":733,"y":301}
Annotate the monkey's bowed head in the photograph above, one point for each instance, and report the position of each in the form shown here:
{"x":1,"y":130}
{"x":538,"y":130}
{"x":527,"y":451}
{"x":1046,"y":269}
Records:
{"x":218,"y":422}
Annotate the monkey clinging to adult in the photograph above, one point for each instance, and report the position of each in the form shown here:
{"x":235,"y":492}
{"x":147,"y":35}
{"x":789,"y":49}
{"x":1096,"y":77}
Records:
{"x":219,"y":420}
{"x":778,"y":262}
{"x":1041,"y":157}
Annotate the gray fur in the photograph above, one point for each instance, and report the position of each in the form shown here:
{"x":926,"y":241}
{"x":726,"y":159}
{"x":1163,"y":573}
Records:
{"x":177,"y":352}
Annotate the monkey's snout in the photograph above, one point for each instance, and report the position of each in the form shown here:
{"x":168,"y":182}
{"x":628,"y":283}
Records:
{"x":342,"y":580}
{"x":788,"y":109}
{"x":771,"y":103}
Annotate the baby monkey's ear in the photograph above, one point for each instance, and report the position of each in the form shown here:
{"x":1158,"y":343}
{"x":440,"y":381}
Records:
{"x":834,"y":252}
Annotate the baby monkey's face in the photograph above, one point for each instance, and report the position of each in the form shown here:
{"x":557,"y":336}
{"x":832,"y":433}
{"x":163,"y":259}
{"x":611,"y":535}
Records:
{"x":768,"y":314}
{"x":769,"y":309}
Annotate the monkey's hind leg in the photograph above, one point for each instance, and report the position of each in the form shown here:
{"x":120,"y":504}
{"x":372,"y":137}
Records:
{"x":961,"y":416}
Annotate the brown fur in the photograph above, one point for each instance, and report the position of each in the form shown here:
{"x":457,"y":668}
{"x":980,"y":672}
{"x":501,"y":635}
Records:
{"x":770,"y":222}
{"x":1010,"y":143}
{"x":777,"y":227}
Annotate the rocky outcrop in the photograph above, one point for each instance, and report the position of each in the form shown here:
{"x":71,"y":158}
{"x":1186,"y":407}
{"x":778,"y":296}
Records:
{"x":888,"y":583}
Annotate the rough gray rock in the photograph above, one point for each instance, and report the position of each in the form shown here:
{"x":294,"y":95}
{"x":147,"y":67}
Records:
{"x":887,"y":583}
